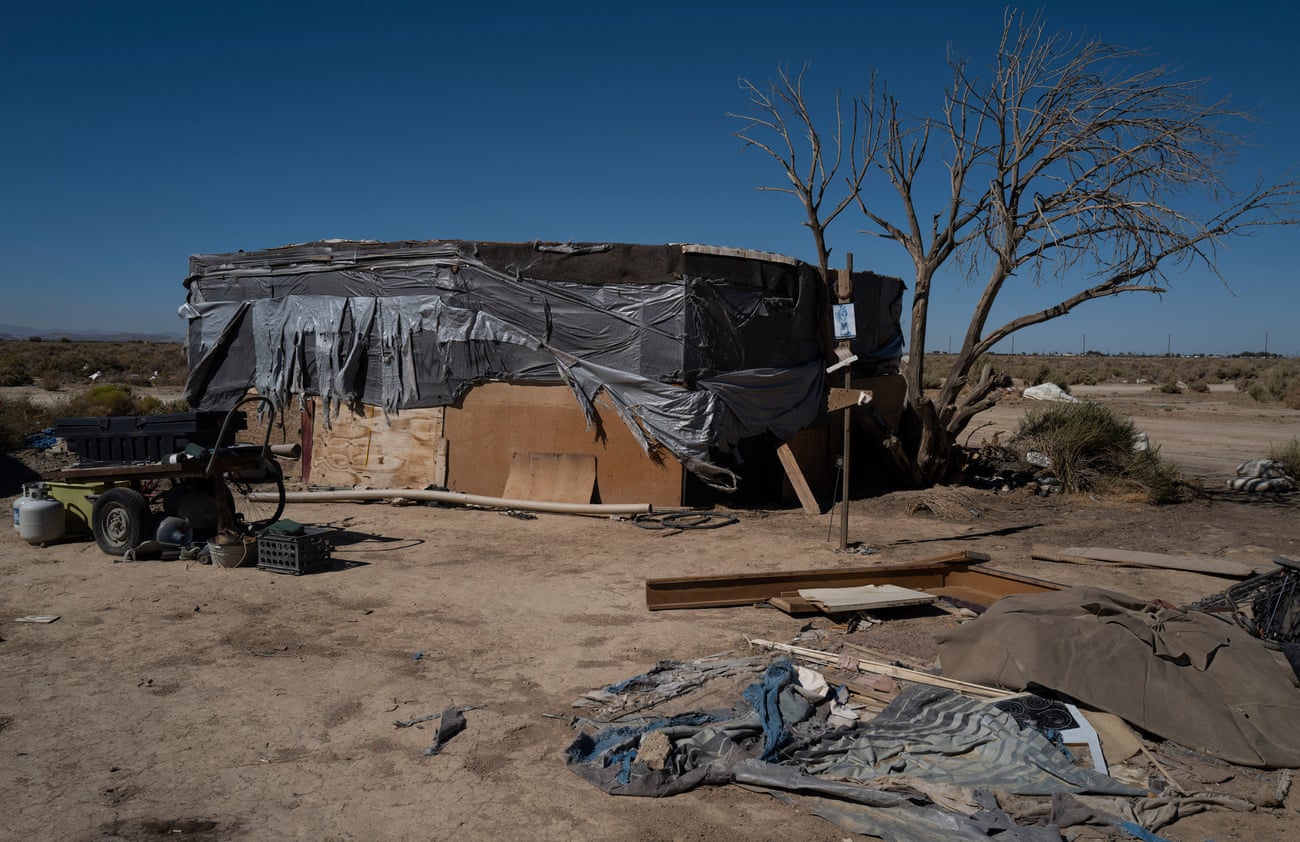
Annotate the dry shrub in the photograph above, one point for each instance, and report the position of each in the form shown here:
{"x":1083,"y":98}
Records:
{"x":102,"y":399}
{"x":1288,"y":455}
{"x":1091,"y":449}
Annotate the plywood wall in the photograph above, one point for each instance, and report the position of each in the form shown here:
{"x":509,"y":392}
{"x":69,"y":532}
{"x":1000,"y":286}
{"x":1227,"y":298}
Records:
{"x":497,"y":420}
{"x":470,"y":448}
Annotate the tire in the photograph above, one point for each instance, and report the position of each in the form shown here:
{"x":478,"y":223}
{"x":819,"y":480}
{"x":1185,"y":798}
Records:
{"x":267,"y":479}
{"x":120,"y":520}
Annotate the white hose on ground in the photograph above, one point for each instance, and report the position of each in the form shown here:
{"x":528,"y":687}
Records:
{"x":457,"y":498}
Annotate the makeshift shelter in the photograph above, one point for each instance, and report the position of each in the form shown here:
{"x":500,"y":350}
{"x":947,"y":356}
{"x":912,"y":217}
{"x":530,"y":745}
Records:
{"x":530,"y":347}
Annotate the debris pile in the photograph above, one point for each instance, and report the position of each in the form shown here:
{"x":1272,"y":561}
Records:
{"x":1055,"y":709}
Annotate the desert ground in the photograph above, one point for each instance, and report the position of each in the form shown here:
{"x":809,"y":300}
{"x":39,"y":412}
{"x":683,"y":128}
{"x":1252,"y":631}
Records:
{"x":172,"y":699}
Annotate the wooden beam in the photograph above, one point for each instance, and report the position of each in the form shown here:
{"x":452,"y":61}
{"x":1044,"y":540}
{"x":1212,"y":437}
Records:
{"x":791,"y":465}
{"x":838,"y":398}
{"x":952,"y":570}
{"x":835,"y":659}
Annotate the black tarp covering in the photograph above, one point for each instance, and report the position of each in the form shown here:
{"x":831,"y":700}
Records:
{"x":696,"y":346}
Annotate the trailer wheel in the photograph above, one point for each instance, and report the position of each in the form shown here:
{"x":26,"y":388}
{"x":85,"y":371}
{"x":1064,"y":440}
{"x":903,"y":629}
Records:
{"x":119,"y":520}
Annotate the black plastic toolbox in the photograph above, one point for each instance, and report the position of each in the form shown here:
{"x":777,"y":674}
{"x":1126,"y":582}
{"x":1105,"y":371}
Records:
{"x":144,"y":438}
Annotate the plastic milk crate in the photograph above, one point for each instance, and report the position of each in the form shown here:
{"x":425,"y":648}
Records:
{"x":296,"y":554}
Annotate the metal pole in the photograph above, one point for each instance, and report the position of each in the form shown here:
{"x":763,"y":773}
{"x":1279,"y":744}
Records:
{"x":846,"y":294}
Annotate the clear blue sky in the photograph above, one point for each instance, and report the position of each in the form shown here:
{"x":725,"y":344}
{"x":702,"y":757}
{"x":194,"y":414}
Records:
{"x":136,"y":134}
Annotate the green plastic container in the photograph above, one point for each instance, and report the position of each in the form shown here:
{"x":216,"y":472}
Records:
{"x":77,"y":502}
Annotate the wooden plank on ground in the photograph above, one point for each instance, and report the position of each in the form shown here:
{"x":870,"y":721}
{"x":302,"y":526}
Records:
{"x":553,"y":477}
{"x":792,"y":603}
{"x":1209,"y":565}
{"x":791,"y":465}
{"x":864,"y":597}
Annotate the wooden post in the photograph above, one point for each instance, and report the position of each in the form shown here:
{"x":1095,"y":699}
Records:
{"x":844,"y":292}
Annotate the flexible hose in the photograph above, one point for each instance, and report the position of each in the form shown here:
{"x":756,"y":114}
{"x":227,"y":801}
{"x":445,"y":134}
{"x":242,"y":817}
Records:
{"x":457,"y":498}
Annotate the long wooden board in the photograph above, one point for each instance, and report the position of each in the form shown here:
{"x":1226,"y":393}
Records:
{"x":793,"y":473}
{"x":1209,"y":565}
{"x":955,"y":575}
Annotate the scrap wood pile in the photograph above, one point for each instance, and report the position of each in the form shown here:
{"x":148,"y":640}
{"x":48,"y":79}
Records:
{"x":1077,"y":710}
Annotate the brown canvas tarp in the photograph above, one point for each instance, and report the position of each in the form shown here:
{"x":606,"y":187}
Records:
{"x":1183,"y":676}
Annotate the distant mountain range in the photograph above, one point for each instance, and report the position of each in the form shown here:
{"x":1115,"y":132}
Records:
{"x":54,"y":334}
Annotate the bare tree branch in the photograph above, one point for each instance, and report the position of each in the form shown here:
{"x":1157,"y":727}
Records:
{"x":782,"y":124}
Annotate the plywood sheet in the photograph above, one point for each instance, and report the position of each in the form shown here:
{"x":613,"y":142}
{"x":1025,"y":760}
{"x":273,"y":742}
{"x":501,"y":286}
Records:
{"x":496,"y":420}
{"x":554,"y":477}
{"x":865,"y":597}
{"x":406,"y":450}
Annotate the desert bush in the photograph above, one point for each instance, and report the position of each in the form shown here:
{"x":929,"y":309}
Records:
{"x":1289,"y":457}
{"x":1198,"y":386}
{"x":14,"y":373}
{"x":1169,"y":389}
{"x":20,"y":418}
{"x":1091,"y":449}
{"x":1158,"y":481}
{"x":1257,"y":390}
{"x":102,"y":399}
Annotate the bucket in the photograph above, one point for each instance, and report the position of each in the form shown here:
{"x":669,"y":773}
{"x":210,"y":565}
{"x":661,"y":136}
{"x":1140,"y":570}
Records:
{"x":238,"y":554}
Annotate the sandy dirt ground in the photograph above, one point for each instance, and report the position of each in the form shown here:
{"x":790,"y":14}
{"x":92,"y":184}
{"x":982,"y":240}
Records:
{"x":172,"y":699}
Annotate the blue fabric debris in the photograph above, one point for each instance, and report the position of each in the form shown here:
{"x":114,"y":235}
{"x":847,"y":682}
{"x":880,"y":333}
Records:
{"x":644,"y":679}
{"x":1139,"y":832}
{"x":618,"y":746}
{"x":765,"y":696}
{"x":43,"y":440}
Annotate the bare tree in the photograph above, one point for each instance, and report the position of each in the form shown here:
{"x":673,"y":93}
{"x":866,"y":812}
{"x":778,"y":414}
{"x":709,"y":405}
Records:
{"x":1068,"y":158}
{"x":781,"y":114}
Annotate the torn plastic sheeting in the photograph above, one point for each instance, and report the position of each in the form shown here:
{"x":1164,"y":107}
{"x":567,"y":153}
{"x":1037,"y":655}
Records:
{"x":687,"y":423}
{"x":283,"y":329}
{"x":726,"y":408}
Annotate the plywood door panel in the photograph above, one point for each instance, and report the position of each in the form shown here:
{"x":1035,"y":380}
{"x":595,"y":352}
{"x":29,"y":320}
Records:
{"x":406,"y":450}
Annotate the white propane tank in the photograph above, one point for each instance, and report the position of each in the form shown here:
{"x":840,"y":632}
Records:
{"x":41,"y":520}
{"x":31,"y":491}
